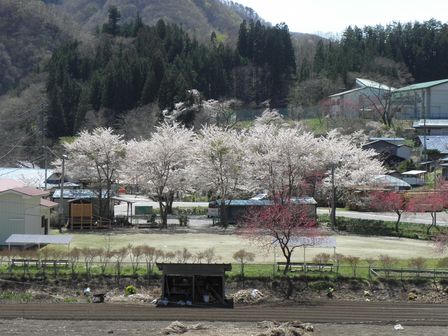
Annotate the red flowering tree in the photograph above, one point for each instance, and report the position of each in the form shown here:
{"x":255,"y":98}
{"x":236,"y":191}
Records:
{"x":280,"y":225}
{"x":389,"y":201}
{"x":432,"y":202}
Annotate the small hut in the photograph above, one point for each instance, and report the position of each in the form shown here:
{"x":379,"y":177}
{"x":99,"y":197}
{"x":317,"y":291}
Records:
{"x":194,"y":285}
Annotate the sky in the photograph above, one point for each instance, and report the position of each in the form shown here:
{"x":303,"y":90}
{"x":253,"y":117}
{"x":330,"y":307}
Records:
{"x":333,"y":16}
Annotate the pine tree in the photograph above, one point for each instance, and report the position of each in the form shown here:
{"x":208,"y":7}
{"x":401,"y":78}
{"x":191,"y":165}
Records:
{"x":112,"y":26}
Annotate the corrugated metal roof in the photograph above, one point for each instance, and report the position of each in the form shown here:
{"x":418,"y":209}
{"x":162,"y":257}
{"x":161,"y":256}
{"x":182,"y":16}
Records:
{"x":7,"y":184}
{"x":38,"y":239}
{"x":346,"y":92}
{"x":372,"y":84}
{"x":75,"y":193}
{"x":430,"y":123}
{"x":29,"y":191}
{"x":414,"y":172}
{"x":391,"y":181}
{"x":435,"y":142}
{"x":421,"y":86}
{"x":33,"y":177}
{"x":252,"y":202}
{"x":388,"y":139}
{"x":47,"y":203}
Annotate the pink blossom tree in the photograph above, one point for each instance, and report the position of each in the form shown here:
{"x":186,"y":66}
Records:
{"x":280,"y":225}
{"x":432,"y":202}
{"x":389,"y":201}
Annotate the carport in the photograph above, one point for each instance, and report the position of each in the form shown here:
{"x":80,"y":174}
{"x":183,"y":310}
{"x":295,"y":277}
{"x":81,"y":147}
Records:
{"x":36,"y":239}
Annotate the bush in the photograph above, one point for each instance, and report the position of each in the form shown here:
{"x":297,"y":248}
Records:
{"x":129,"y":290}
{"x":193,"y":211}
{"x":364,"y":226}
{"x":370,"y":227}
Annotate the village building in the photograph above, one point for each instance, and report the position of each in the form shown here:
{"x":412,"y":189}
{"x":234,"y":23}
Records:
{"x":23,"y":210}
{"x":237,"y":209}
{"x":391,"y":151}
{"x":363,"y":101}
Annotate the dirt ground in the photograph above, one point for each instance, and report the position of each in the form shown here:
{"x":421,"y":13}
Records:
{"x":19,"y":327}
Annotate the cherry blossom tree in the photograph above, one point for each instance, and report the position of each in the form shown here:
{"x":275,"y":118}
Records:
{"x":347,"y":165}
{"x":389,"y":201}
{"x":279,"y":224}
{"x":280,"y":158}
{"x":98,"y":157}
{"x":220,"y":165}
{"x":164,"y":163}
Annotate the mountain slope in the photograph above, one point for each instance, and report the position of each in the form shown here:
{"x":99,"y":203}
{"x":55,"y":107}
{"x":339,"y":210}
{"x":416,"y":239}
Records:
{"x":29,"y":33}
{"x":199,"y":17}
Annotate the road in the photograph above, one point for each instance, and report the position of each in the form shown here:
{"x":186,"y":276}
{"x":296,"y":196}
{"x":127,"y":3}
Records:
{"x":318,"y":312}
{"x":422,"y":218}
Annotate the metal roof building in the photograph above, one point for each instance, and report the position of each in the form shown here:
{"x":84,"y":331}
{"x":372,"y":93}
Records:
{"x":435,"y":142}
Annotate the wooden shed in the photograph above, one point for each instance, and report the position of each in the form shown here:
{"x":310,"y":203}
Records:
{"x":194,"y":285}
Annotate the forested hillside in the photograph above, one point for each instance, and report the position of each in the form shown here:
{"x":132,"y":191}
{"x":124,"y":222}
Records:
{"x":397,"y":54}
{"x":127,"y":65}
{"x":197,"y":17}
{"x":29,"y":33}
{"x":135,"y":65}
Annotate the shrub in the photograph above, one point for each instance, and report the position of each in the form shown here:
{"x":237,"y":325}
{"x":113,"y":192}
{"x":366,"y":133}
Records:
{"x":353,"y":262}
{"x":322,"y":258}
{"x":443,"y":263}
{"x":129,"y":290}
{"x":387,"y":262}
{"x":417,"y":263}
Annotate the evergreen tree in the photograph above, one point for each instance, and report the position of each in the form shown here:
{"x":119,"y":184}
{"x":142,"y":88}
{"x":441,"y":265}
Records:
{"x":112,"y":26}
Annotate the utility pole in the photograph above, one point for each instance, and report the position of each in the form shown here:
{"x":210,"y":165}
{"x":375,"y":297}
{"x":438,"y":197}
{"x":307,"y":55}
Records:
{"x":61,"y":201}
{"x":43,"y":142}
{"x":61,"y":209}
{"x":333,"y":199}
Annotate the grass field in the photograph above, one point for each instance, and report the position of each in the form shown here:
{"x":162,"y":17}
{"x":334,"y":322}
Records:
{"x":227,"y":244}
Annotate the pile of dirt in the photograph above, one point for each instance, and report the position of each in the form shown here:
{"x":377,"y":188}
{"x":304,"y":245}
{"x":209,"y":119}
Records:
{"x":295,"y":328}
{"x":249,"y":296}
{"x":177,"y":327}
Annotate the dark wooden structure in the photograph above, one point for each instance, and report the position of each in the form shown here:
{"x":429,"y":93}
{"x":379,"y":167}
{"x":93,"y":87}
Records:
{"x":194,"y":285}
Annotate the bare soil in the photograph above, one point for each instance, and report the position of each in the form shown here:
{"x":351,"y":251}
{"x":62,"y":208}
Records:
{"x":19,"y":327}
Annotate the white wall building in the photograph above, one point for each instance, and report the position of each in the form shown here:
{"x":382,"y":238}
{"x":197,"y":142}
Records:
{"x":23,"y":210}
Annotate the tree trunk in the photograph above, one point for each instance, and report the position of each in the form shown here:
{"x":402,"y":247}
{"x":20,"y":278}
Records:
{"x":397,"y":224}
{"x":169,"y":203}
{"x":433,"y":222}
{"x":163,"y":215}
{"x":288,"y":264}
{"x":223,"y":214}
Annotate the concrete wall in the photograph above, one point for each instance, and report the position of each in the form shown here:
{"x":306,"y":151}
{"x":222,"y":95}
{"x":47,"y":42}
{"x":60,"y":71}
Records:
{"x":411,"y":103}
{"x":438,"y":102}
